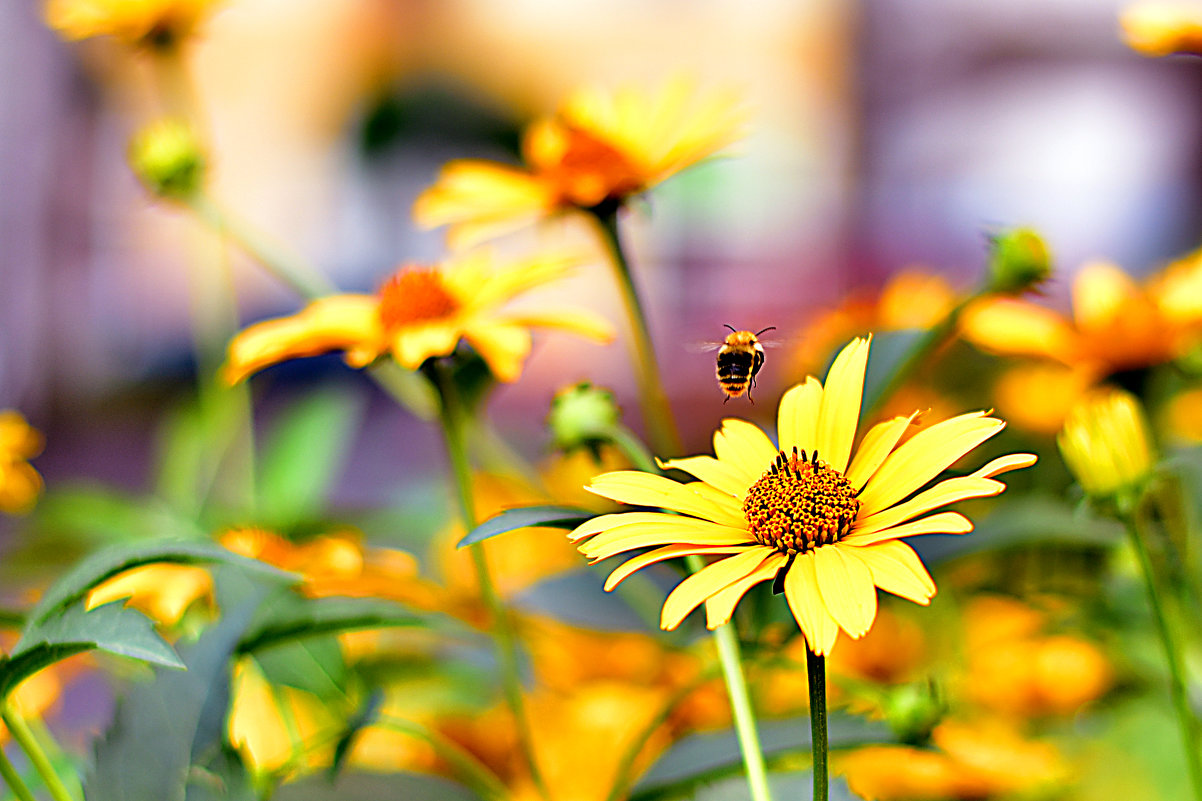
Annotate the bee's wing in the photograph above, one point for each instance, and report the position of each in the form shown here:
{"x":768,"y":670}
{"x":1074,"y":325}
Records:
{"x":702,"y":347}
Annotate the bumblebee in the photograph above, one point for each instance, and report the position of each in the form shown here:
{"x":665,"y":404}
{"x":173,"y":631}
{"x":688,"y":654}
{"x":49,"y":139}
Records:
{"x":740,"y":357}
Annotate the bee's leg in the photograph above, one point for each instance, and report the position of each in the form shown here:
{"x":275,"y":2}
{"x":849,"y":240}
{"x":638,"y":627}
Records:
{"x":724,"y":400}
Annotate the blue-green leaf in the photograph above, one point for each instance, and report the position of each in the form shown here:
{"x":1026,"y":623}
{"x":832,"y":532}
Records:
{"x":526,"y":516}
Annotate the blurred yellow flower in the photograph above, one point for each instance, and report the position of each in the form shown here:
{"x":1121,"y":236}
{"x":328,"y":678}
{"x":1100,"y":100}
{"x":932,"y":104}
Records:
{"x":889,"y":654}
{"x":161,"y":591}
{"x":1183,"y":415}
{"x":20,"y":484}
{"x":831,"y":528}
{"x":420,"y":313}
{"x":1160,"y":27}
{"x":1036,"y":396}
{"x":599,"y":148}
{"x":158,"y":23}
{"x":1106,"y":443}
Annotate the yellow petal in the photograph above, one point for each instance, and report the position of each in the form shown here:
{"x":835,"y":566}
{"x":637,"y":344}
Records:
{"x":575,"y":321}
{"x":924,"y":456}
{"x":847,"y":589}
{"x":797,"y":419}
{"x":897,"y":569}
{"x":721,"y":605}
{"x":649,"y":535}
{"x":1102,"y":293}
{"x":728,"y":510}
{"x":805,"y":601}
{"x":503,"y":346}
{"x":746,"y":446}
{"x":647,"y":489}
{"x":945,"y":492}
{"x":878,"y":443}
{"x":1017,"y":328}
{"x":605,"y":522}
{"x":339,"y":322}
{"x":840,"y":409}
{"x":713,"y":472}
{"x":636,"y":563}
{"x":413,"y":344}
{"x":1004,"y":464}
{"x":481,"y":199}
{"x":691,"y":592}
{"x":942,"y":523}
{"x":472,"y":277}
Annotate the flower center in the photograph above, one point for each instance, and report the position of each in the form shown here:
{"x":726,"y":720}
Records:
{"x":591,"y":171}
{"x":414,"y":295}
{"x":800,"y":504}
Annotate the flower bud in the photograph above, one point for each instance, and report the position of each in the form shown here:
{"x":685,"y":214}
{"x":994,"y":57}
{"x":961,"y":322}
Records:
{"x":1018,"y":260}
{"x":166,"y":156}
{"x":583,"y":416}
{"x":1107,"y":445}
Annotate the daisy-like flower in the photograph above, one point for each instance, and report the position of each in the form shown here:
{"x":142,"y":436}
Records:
{"x":821,"y":518}
{"x":419,"y":313}
{"x":156,"y":23}
{"x":20,"y":484}
{"x":599,"y":148}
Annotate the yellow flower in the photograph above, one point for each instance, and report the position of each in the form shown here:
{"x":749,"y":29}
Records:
{"x":1160,"y":28}
{"x":1115,"y":325}
{"x":419,"y":313}
{"x":599,"y":148}
{"x":161,"y":591}
{"x":134,"y":22}
{"x":1106,"y":443}
{"x":20,"y":484}
{"x":809,"y":511}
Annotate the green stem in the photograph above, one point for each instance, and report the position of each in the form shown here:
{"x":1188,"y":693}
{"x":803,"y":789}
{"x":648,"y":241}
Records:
{"x":451,"y":416}
{"x":1172,"y":654}
{"x":632,"y":448}
{"x":13,"y":779}
{"x":473,"y":773}
{"x":24,"y":737}
{"x":816,"y":671}
{"x":661,"y":427}
{"x":727,"y":641}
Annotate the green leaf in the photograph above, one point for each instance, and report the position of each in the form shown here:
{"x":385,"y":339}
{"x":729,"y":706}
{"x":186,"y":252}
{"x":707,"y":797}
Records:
{"x":109,"y":562}
{"x":363,"y":717}
{"x":512,"y":519}
{"x":290,"y":618}
{"x":313,"y":664}
{"x":303,"y":454}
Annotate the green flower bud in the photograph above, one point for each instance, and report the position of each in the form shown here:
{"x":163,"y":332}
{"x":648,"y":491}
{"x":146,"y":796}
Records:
{"x":1018,"y":260}
{"x":583,"y":416}
{"x":167,"y":158}
{"x":913,"y":710}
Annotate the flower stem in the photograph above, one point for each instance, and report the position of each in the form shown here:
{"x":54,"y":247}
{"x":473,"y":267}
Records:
{"x":1172,"y":654}
{"x":632,"y":448}
{"x":25,"y":738}
{"x":13,"y":779}
{"x":816,"y":671}
{"x":727,"y":641}
{"x":451,"y":416}
{"x":654,"y":401}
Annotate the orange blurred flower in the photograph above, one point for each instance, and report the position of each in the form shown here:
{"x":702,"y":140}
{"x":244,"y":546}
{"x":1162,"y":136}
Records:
{"x":1163,"y":27}
{"x":157,"y":23}
{"x":20,"y":484}
{"x":420,"y":313}
{"x":598,"y":148}
{"x":162,"y":591}
{"x":889,"y":654}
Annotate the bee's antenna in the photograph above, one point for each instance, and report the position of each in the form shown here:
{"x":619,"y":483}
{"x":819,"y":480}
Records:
{"x":731,"y":327}
{"x":757,"y":333}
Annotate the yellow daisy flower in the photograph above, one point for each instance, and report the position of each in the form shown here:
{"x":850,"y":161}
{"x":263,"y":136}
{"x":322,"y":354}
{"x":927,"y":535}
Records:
{"x":20,"y":484}
{"x":599,"y":148}
{"x":421,"y":312}
{"x":1107,"y":444}
{"x":134,"y":22}
{"x":821,"y":518}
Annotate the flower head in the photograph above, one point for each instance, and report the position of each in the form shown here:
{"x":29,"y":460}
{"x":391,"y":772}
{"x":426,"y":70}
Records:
{"x":419,"y":313}
{"x":1107,"y":445}
{"x":20,"y":484}
{"x":822,"y":519}
{"x":600,"y":147}
{"x":1160,"y":28}
{"x":166,"y":156}
{"x":157,"y":23}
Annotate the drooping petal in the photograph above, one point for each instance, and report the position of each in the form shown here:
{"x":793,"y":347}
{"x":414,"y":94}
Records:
{"x":693,"y":591}
{"x":503,"y":346}
{"x":650,"y":535}
{"x":646,"y":489}
{"x":339,"y":322}
{"x":718,"y":474}
{"x":924,"y":456}
{"x":1004,"y":464}
{"x":481,"y":199}
{"x":745,"y":446}
{"x":797,"y":419}
{"x":809,"y":610}
{"x":840,"y":409}
{"x":897,"y":569}
{"x":847,"y":589}
{"x":412,"y":345}
{"x":945,"y":492}
{"x":877,"y":445}
{"x":605,"y":522}
{"x":941,"y":523}
{"x":636,"y":563}
{"x":721,"y":605}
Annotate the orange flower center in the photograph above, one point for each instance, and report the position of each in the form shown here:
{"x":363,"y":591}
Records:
{"x":591,"y":171}
{"x":800,"y":504}
{"x":415,"y":295}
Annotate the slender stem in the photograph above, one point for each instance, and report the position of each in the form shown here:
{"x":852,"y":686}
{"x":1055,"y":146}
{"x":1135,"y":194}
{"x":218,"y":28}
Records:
{"x":727,"y":641}
{"x":25,"y":738}
{"x":816,"y":671}
{"x":473,"y":772}
{"x":632,"y":448}
{"x":661,"y":427}
{"x":1172,"y":655}
{"x":451,"y":417}
{"x":13,"y":779}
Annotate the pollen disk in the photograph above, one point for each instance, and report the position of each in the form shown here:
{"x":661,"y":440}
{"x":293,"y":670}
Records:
{"x":800,"y":504}
{"x":415,"y":295}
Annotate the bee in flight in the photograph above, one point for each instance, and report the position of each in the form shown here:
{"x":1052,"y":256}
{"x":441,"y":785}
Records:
{"x":740,"y":357}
